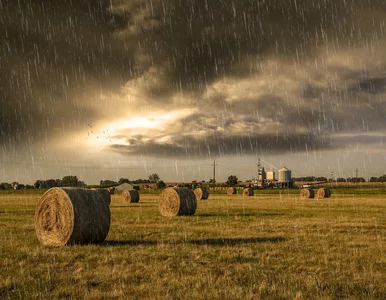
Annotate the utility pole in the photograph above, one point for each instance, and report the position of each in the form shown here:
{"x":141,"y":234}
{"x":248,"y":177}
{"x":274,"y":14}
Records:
{"x":356,"y":173}
{"x":214,"y":173}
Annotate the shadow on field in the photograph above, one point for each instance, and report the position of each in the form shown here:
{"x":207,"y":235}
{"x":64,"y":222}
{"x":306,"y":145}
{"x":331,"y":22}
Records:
{"x":238,"y":241}
{"x":241,"y":214}
{"x":224,"y":241}
{"x":129,"y":243}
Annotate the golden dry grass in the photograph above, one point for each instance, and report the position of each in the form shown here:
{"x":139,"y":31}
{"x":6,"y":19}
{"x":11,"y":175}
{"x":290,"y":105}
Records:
{"x":264,"y":246}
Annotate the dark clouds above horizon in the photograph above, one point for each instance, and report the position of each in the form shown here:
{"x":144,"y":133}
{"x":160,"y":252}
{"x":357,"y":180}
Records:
{"x":237,"y":77}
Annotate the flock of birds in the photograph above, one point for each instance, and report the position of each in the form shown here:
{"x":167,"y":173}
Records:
{"x":91,"y":132}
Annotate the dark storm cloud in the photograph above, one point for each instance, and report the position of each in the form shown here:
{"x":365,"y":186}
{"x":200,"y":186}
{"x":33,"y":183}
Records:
{"x":200,"y":41}
{"x":55,"y":56}
{"x":219,"y":145}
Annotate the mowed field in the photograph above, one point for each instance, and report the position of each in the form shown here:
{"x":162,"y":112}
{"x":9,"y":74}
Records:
{"x":276,"y":246}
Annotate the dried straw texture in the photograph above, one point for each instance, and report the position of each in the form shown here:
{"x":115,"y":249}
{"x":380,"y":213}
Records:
{"x":307,"y":193}
{"x":66,"y":216}
{"x":201,"y":193}
{"x":177,"y":202}
{"x":131,"y":196}
{"x":248,"y":192}
{"x":323,"y":193}
{"x":231,"y":191}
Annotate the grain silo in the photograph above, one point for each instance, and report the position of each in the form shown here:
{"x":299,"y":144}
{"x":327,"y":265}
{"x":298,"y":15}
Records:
{"x":271,"y":176}
{"x":284,"y":179}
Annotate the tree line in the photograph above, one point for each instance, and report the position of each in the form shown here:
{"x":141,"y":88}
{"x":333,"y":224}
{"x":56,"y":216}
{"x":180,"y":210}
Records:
{"x":73,"y":181}
{"x":321,"y":178}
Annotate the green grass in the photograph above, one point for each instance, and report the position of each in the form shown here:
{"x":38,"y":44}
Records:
{"x":265,"y":246}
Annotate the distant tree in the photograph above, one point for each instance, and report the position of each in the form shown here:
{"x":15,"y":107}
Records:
{"x":321,"y":178}
{"x":341,"y":179}
{"x":70,"y":180}
{"x":378,"y":179}
{"x":232,"y":180}
{"x":107,"y":182}
{"x":5,"y":186}
{"x":50,"y":183}
{"x":21,"y":186}
{"x":123,"y":180}
{"x":154,"y":178}
{"x":194,"y":184}
{"x":81,"y":184}
{"x":356,"y":179}
{"x":160,"y":184}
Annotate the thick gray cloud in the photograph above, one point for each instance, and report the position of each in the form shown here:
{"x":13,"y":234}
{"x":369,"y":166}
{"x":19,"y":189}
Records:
{"x":258,"y":76}
{"x":56,"y":57}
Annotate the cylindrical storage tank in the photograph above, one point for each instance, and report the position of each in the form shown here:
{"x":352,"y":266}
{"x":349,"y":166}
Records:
{"x":307,"y":193}
{"x":270,"y":175}
{"x":131,"y":196}
{"x":66,"y":216}
{"x":248,"y":192}
{"x":201,"y":193}
{"x":284,"y":175}
{"x":323,"y":193}
{"x":231,"y":191}
{"x":179,"y":201}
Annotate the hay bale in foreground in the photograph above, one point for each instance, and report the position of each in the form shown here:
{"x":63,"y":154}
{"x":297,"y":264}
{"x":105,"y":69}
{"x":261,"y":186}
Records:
{"x":248,"y":192}
{"x":231,"y":191}
{"x":66,"y":216}
{"x":323,"y":193}
{"x":105,"y":192}
{"x":131,"y":196}
{"x":201,"y":193}
{"x":177,"y":202}
{"x":307,"y":193}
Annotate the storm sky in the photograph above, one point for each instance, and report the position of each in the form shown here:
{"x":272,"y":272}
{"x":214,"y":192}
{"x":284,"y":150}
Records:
{"x":126,"y":88}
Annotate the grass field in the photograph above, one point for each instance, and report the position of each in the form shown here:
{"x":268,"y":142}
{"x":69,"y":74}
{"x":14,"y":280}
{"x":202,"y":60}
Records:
{"x":266,"y":246}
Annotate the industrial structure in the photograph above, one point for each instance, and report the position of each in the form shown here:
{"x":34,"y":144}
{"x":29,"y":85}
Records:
{"x":268,"y":179}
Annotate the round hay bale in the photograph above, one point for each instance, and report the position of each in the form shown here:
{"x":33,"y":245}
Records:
{"x":106,"y":194}
{"x":231,"y":191}
{"x":111,"y":190}
{"x":201,"y":193}
{"x":67,"y":216}
{"x":131,"y":196}
{"x":307,"y":193}
{"x":177,"y":202}
{"x":248,"y":192}
{"x":323,"y":193}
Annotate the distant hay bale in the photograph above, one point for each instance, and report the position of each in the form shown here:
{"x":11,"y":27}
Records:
{"x":231,"y":191}
{"x":248,"y":192}
{"x":323,"y":193}
{"x":307,"y":193}
{"x":67,"y":216}
{"x":201,"y":193}
{"x":177,"y":202}
{"x":131,"y":196}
